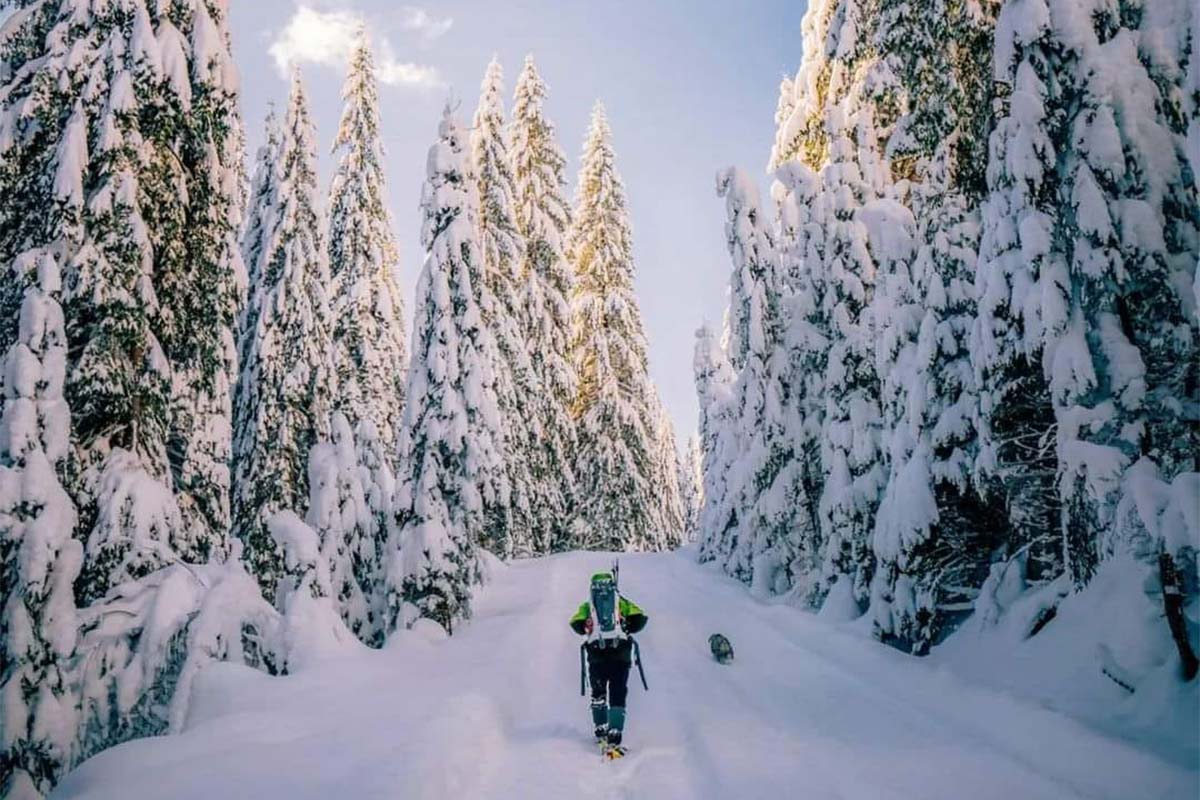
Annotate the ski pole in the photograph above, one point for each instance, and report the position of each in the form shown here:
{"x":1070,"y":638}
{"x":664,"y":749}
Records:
{"x":637,"y":658}
{"x":582,"y":669}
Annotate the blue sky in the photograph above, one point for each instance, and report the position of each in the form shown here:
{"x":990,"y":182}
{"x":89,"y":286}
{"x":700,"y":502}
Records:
{"x":690,"y":87}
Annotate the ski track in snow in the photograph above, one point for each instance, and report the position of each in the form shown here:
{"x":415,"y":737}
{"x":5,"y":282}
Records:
{"x":805,"y":711}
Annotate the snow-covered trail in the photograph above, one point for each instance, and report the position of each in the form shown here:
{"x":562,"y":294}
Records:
{"x":805,"y":711}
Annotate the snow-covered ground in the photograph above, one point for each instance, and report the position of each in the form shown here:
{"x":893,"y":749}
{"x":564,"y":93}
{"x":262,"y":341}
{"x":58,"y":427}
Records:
{"x":806,"y":710}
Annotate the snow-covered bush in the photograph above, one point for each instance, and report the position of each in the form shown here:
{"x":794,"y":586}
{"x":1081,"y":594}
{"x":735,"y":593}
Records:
{"x":142,"y":645}
{"x":312,"y":628}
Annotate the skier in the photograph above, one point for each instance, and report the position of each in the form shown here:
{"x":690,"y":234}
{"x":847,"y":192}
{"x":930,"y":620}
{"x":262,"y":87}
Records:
{"x":607,"y":620}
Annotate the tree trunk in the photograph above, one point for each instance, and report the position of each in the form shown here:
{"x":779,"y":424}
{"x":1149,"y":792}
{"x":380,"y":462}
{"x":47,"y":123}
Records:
{"x":1172,"y":590}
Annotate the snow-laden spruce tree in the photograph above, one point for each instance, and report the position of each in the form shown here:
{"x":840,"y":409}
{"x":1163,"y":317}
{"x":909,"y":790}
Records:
{"x":39,"y":559}
{"x":194,"y":232}
{"x":141,"y":209}
{"x":691,"y":485}
{"x":543,"y":216}
{"x":262,"y":193}
{"x":369,"y":329}
{"x":851,"y":453}
{"x":509,"y":519}
{"x":800,"y":239}
{"x":142,"y":646}
{"x":618,"y":504}
{"x":377,"y":473}
{"x":799,"y":129}
{"x":284,"y":389}
{"x":1016,"y":419}
{"x":759,"y":394}
{"x":933,"y":536}
{"x":671,"y":512}
{"x":1115,"y":303}
{"x":452,"y":448}
{"x":832,"y":119}
{"x":718,"y":435}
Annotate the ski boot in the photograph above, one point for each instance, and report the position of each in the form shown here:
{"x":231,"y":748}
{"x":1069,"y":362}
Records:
{"x":616,"y":725}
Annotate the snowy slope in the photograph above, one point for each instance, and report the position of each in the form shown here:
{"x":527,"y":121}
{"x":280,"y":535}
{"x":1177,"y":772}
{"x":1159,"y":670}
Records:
{"x":805,"y":711}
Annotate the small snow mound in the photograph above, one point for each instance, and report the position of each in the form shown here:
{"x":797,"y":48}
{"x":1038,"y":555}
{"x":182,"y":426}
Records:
{"x":490,"y":566}
{"x":429,"y":630}
{"x":840,"y":605}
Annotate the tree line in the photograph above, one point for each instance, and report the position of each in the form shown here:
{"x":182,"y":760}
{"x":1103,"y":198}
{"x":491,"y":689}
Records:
{"x":217,"y":434}
{"x":960,"y":352}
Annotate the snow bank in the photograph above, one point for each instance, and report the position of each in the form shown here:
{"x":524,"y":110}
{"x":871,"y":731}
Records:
{"x":1111,"y":633}
{"x":495,"y":712}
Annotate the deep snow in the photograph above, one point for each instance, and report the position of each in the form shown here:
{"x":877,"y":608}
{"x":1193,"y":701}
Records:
{"x":806,"y":710}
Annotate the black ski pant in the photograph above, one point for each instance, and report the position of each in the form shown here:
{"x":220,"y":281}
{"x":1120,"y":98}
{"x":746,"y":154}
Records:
{"x":608,"y":672}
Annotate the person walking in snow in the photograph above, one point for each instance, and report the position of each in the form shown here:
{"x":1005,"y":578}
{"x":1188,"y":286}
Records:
{"x":608,"y":619}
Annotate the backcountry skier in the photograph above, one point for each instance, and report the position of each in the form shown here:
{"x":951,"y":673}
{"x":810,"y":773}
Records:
{"x":607,"y":619}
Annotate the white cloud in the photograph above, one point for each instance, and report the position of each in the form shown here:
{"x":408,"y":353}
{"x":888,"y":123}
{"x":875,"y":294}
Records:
{"x":327,"y":38}
{"x":420,"y":20}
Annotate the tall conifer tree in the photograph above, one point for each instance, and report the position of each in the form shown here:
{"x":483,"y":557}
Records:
{"x":452,"y":447}
{"x":369,"y":329}
{"x":284,"y":390}
{"x":543,"y":217}
{"x":119,"y":128}
{"x":510,"y":520}
{"x":618,"y":503}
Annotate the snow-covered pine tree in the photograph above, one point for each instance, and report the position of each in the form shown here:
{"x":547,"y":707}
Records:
{"x":118,"y":130}
{"x":137,"y":663}
{"x":618,"y":502}
{"x":800,"y":132}
{"x":718,"y":435}
{"x":261,"y":203}
{"x":370,"y":354}
{"x":543,"y":216}
{"x":851,"y":452}
{"x":759,"y":393}
{"x":284,"y":391}
{"x":1123,"y":362}
{"x":39,"y":559}
{"x":691,"y":485}
{"x":802,"y":211}
{"x":933,"y":536}
{"x":200,"y":275}
{"x":509,"y":521}
{"x":672,"y":514}
{"x":841,"y":106}
{"x":378,"y":476}
{"x":1017,"y":456}
{"x":451,"y":443}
